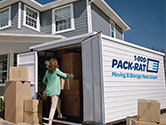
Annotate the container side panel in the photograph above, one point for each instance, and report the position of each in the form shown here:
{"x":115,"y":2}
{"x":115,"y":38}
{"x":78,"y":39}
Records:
{"x":130,"y":74}
{"x":97,"y":79}
{"x":87,"y":82}
{"x":92,"y":93}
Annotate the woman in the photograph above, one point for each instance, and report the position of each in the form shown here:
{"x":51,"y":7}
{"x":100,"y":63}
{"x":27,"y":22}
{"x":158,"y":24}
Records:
{"x":53,"y":87}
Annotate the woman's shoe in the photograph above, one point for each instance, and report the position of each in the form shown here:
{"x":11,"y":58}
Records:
{"x":60,"y":116}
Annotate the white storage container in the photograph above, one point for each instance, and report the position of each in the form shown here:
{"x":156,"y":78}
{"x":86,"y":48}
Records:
{"x":115,"y":75}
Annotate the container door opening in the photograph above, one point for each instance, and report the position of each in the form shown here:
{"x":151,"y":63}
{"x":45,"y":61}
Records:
{"x":71,"y":97}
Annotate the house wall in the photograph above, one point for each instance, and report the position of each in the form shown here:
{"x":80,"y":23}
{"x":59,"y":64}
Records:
{"x":80,"y":20}
{"x":14,"y":19}
{"x":46,"y":21}
{"x":101,"y":22}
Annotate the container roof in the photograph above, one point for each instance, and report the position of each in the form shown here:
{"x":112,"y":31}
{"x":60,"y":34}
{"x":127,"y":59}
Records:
{"x":61,"y":42}
{"x":81,"y":39}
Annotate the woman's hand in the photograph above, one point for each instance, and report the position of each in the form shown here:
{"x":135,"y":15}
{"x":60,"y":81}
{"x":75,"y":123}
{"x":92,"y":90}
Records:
{"x":70,"y":75}
{"x":43,"y":96}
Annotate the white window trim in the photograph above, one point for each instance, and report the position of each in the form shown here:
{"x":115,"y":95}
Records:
{"x":9,"y":21}
{"x":38,"y":19}
{"x":72,"y":20}
{"x":112,"y":23}
{"x":123,"y":35}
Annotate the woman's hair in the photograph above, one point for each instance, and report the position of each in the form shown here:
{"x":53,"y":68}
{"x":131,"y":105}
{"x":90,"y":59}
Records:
{"x":53,"y":65}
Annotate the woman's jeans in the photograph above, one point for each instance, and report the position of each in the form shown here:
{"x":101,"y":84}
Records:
{"x":54,"y":102}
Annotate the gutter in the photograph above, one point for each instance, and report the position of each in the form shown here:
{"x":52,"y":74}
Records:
{"x":91,"y":1}
{"x":35,"y":4}
{"x":32,"y":35}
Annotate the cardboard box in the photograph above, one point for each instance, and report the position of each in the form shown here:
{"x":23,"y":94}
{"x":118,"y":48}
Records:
{"x":40,"y":111}
{"x":15,"y":94}
{"x":73,"y":69}
{"x":163,"y":119}
{"x":19,"y":74}
{"x":162,"y":123}
{"x":65,"y":84}
{"x":40,"y":115}
{"x":74,"y":89}
{"x":71,"y":58}
{"x":71,"y":106}
{"x":148,"y":110}
{"x":32,"y":106}
{"x":144,"y":123}
{"x":31,"y":117}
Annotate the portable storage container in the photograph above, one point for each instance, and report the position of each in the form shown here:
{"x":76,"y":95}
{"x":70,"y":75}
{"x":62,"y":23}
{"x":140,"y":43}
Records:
{"x":115,"y":74}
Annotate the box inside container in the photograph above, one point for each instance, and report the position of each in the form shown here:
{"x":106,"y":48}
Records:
{"x":70,"y":61}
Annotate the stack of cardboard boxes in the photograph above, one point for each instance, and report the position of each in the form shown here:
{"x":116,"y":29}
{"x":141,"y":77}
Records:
{"x":17,"y":90}
{"x":148,"y":112}
{"x":71,"y":63}
{"x":32,"y":111}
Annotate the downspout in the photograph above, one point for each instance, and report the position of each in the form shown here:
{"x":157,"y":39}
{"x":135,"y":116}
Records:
{"x":91,"y":1}
{"x":89,"y":15}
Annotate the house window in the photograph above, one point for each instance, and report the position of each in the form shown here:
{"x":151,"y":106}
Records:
{"x":31,"y":18}
{"x":112,"y":30}
{"x":63,"y":19}
{"x":3,"y":68}
{"x":5,"y":18}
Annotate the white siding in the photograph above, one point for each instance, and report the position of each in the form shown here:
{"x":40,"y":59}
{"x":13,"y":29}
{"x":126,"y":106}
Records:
{"x":121,"y":94}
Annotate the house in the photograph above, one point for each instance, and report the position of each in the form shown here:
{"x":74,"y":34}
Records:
{"x":112,"y":70}
{"x":24,"y":23}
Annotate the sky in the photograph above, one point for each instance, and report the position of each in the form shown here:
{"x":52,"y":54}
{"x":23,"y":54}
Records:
{"x":146,"y":18}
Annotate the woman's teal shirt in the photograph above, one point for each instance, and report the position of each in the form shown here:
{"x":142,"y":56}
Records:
{"x":52,"y":82}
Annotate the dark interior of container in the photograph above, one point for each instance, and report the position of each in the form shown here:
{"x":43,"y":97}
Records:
{"x":58,"y":54}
